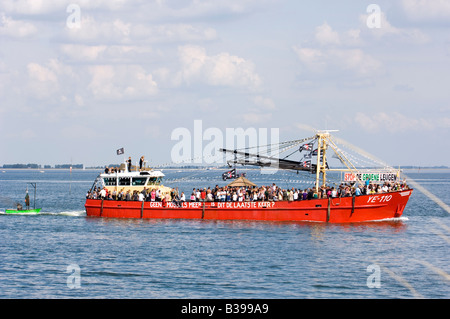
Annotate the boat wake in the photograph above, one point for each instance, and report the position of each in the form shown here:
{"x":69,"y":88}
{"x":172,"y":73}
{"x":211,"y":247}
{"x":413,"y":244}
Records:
{"x":394,"y":219}
{"x":66,"y":213}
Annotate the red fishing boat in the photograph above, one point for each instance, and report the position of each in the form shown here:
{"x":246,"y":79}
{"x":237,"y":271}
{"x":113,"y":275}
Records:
{"x":322,"y":207}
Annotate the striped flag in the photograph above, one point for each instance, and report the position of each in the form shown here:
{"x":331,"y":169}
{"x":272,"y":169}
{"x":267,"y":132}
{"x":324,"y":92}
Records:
{"x":306,"y":147}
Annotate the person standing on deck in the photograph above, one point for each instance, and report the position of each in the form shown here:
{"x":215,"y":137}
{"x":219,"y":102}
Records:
{"x":27,"y":200}
{"x":141,"y":163}
{"x":129,"y":163}
{"x":357,"y":191}
{"x":203,"y":195}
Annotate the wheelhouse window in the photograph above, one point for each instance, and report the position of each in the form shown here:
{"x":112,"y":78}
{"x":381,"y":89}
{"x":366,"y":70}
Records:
{"x":110,"y":181}
{"x":154,"y":181}
{"x":124,"y":181}
{"x":139,"y":181}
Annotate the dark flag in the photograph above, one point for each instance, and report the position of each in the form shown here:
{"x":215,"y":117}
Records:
{"x":120,"y":151}
{"x":306,"y":147}
{"x":229,"y":174}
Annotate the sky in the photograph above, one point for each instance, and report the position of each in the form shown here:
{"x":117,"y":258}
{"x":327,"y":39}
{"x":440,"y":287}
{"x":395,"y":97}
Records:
{"x":81,"y":79}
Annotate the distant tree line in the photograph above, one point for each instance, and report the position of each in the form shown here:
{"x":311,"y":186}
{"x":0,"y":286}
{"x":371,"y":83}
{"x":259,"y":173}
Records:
{"x":21,"y":166}
{"x":37,"y":166}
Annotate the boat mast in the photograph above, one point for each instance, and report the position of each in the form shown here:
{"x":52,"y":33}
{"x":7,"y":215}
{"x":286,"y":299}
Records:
{"x":34,"y":202}
{"x":321,"y":158}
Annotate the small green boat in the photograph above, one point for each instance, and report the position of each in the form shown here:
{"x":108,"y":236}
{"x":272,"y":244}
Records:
{"x":20,"y":210}
{"x":23,"y":211}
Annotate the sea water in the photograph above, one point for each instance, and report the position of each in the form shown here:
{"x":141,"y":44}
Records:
{"x":62,"y":253}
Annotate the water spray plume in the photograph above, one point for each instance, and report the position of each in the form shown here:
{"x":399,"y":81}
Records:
{"x":427,"y":193}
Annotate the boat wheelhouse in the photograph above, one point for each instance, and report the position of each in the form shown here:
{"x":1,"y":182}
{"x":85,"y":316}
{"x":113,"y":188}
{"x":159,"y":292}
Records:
{"x":139,"y":181}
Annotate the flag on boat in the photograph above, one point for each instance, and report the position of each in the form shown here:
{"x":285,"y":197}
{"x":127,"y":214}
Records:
{"x":120,"y":151}
{"x":306,"y":147}
{"x":229,"y":174}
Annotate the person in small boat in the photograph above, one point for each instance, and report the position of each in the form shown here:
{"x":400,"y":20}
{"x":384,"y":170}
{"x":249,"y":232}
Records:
{"x":27,"y":201}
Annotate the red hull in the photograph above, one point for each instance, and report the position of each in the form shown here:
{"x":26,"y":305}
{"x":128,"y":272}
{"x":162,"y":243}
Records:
{"x":336,"y":210}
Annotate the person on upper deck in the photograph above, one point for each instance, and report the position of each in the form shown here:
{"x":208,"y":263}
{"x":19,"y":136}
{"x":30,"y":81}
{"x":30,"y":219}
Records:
{"x":129,"y":164}
{"x":141,"y":162}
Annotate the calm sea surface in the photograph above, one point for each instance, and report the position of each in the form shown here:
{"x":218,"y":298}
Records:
{"x":64,"y":254}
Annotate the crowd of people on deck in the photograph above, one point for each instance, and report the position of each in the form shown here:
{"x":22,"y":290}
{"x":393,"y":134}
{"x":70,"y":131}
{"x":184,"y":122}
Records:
{"x":247,"y":193}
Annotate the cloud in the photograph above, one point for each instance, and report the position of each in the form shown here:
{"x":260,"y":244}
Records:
{"x":326,"y":35}
{"x":123,"y":32}
{"x":387,"y":30}
{"x":41,"y":90}
{"x":313,"y":59}
{"x":335,"y":56}
{"x":40,"y":7}
{"x":154,"y":10}
{"x":30,"y":7}
{"x":92,"y":31}
{"x":344,"y":55}
{"x":82,"y":52}
{"x":347,"y":62}
{"x":55,"y":81}
{"x":41,"y":74}
{"x":176,"y":32}
{"x":264,"y":103}
{"x":44,"y":80}
{"x":255,"y":117}
{"x":203,"y":9}
{"x":112,"y":82}
{"x":396,"y":122}
{"x":106,"y":53}
{"x":78,"y":131}
{"x":16,"y":28}
{"x":259,"y":112}
{"x":427,"y":10}
{"x":222,"y":69}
